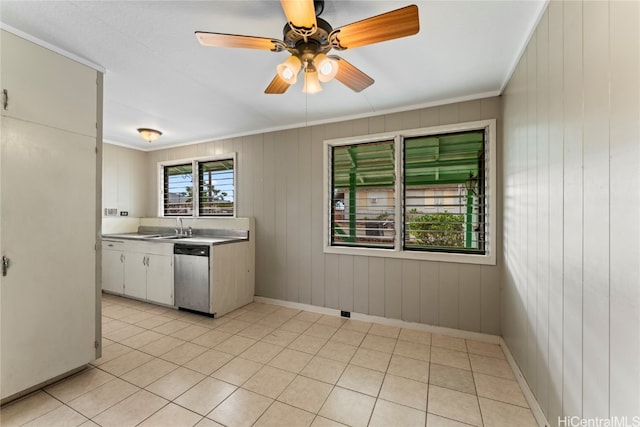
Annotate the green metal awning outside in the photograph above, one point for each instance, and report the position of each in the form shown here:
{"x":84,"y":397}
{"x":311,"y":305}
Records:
{"x":436,"y":159}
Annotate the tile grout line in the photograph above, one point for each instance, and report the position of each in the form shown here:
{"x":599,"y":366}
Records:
{"x":257,"y":317}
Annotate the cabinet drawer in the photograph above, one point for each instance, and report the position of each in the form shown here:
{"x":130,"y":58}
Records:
{"x":153,"y":248}
{"x":113,"y":245}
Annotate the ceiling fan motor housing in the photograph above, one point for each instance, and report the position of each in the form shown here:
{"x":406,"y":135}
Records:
{"x":307,"y":48}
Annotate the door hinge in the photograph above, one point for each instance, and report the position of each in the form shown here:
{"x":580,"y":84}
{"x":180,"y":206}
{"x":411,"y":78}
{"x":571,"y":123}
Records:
{"x":96,"y":344}
{"x":5,"y":99}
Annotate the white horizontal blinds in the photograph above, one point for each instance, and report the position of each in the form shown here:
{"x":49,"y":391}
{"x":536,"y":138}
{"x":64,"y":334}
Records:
{"x":444,"y":192}
{"x":363,"y":195}
{"x":216,"y":184}
{"x":178,"y":190}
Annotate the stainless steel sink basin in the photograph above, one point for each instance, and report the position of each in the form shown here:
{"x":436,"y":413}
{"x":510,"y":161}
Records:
{"x":170,"y":237}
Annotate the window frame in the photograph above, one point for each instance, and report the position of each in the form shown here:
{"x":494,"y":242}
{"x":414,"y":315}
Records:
{"x":392,"y":140}
{"x":162,"y":183}
{"x":491,"y":196}
{"x":195,"y":165}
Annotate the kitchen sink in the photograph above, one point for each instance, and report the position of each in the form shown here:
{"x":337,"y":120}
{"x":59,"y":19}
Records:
{"x":135,"y":236}
{"x":147,"y":236}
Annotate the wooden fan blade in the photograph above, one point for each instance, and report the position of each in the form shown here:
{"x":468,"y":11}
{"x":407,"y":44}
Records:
{"x":398,"y":23}
{"x":277,"y":86}
{"x":235,"y":40}
{"x":350,"y":76}
{"x":301,"y":16}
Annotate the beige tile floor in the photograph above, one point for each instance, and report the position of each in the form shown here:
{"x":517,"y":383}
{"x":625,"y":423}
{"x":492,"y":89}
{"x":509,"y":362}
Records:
{"x":265,"y":365}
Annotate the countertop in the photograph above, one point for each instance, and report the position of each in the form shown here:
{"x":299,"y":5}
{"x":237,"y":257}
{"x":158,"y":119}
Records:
{"x":194,"y":240}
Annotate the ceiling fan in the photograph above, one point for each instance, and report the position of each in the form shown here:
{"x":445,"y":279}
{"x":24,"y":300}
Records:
{"x":308,"y":38}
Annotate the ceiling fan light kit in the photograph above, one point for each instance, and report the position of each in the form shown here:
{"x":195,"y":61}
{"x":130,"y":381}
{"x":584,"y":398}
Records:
{"x":308,"y":38}
{"x":289,"y":69}
{"x":311,"y":82}
{"x":327,"y":67}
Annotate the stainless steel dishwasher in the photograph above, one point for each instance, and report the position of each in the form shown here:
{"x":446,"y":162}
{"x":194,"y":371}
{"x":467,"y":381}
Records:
{"x":191,"y":277}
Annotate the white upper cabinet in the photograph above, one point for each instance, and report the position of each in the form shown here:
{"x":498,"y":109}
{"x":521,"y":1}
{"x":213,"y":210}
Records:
{"x":47,"y":88}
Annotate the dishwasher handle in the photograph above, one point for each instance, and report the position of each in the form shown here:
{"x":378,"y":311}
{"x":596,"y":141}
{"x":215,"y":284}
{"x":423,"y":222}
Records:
{"x":191,"y":250}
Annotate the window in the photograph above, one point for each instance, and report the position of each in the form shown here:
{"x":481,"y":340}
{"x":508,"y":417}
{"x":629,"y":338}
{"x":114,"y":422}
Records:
{"x":418,"y":194}
{"x":215,"y":183}
{"x":215,"y":195}
{"x":444,"y":192}
{"x":178,"y":190}
{"x":362,"y":207}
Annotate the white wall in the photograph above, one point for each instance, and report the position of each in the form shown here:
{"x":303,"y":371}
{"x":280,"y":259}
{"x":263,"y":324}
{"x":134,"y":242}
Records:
{"x":571,"y":283}
{"x":280,"y":184}
{"x":124,"y":175}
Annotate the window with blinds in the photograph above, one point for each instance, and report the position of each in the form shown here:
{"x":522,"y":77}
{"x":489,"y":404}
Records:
{"x":444,"y":192}
{"x":216,"y":188}
{"x":363,"y":195}
{"x":178,"y":190}
{"x":423,"y":194}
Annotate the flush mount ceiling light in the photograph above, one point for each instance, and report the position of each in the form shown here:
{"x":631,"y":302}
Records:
{"x":308,"y":38}
{"x":149,"y":135}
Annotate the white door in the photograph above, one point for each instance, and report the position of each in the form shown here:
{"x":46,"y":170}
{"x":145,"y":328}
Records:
{"x":48,"y":231}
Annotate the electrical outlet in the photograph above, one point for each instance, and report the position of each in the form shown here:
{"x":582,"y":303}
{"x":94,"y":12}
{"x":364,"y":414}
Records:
{"x":124,"y":213}
{"x":110,"y":212}
{"x":345,"y":314}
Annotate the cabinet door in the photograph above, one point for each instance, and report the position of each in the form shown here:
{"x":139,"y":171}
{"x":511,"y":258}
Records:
{"x":135,"y":275}
{"x":47,"y":88}
{"x":48,"y":303}
{"x":112,"y":271}
{"x":160,"y":279}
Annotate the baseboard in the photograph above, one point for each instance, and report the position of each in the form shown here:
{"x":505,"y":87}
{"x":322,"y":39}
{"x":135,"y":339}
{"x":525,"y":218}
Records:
{"x":469,"y":335}
{"x":541,"y":419}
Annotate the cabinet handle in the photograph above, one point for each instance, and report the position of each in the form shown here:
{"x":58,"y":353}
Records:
{"x":6,"y":263}
{"x":5,"y":99}
{"x":121,"y":257}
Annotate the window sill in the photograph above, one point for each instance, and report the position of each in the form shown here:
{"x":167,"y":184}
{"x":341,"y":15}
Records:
{"x":488,"y":259}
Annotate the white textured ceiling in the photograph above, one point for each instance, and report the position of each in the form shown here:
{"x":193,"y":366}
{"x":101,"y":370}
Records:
{"x":159,"y":76}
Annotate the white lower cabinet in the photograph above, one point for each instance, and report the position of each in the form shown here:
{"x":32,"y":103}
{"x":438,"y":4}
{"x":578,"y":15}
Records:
{"x":135,"y":274}
{"x":160,"y":278}
{"x":113,"y":267}
{"x":142,"y":270}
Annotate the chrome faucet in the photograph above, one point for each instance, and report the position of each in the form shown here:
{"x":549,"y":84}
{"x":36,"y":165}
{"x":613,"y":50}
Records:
{"x":179,"y":223}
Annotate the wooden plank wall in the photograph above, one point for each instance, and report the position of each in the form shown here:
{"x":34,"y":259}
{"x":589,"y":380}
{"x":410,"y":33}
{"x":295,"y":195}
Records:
{"x":280,"y":183}
{"x":571,"y":297}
